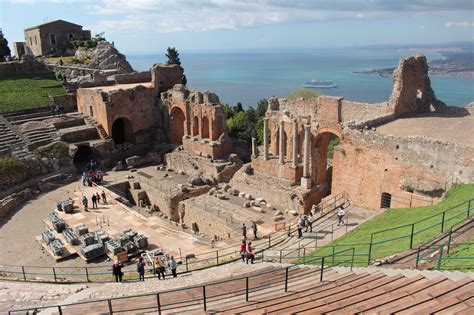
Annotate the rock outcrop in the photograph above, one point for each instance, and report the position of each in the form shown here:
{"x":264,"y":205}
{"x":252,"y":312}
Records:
{"x":104,"y":57}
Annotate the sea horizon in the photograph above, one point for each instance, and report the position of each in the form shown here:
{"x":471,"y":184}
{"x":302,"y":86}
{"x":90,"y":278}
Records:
{"x":247,"y":76}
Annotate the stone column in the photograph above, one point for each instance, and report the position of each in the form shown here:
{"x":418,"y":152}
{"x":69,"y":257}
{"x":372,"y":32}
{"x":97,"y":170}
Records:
{"x":254,"y":148}
{"x":306,"y":180}
{"x":281,"y":157}
{"x":295,"y":143}
{"x":265,"y":139}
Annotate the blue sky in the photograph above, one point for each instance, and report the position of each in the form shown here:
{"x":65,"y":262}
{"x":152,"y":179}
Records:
{"x":153,"y":25}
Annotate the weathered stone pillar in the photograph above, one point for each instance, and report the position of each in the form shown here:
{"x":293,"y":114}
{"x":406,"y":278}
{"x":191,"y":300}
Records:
{"x":254,"y":148}
{"x":306,"y":180}
{"x":265,"y":138}
{"x":281,"y":157}
{"x":295,"y":143}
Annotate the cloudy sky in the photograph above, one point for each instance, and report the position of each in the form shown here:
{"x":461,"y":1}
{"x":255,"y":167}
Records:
{"x":153,"y":25}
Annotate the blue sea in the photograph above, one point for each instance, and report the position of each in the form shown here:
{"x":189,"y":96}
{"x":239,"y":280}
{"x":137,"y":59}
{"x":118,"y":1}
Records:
{"x":248,"y":76}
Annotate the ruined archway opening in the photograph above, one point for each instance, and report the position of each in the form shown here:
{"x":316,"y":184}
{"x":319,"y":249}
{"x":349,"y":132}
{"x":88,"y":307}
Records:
{"x":195,"y":126}
{"x":325,"y":145}
{"x":83,"y":155}
{"x":205,"y":128}
{"x":122,"y":131}
{"x":177,"y":121}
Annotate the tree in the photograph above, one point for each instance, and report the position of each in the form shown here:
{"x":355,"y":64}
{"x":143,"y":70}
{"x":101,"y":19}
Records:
{"x":262,"y":107}
{"x":99,"y":37}
{"x":173,"y":56}
{"x":173,"y":59}
{"x":304,"y":93}
{"x":238,"y":108}
{"x":4,"y":49}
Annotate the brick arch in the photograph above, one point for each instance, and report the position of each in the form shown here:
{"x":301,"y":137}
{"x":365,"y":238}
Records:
{"x":205,"y":127}
{"x":122,"y":131}
{"x":195,"y":126}
{"x":322,"y":175}
{"x":177,"y":125}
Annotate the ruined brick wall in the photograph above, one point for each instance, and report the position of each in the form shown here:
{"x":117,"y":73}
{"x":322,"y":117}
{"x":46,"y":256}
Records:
{"x":355,"y":113}
{"x":164,"y":77}
{"x":412,"y":90}
{"x":134,"y":77}
{"x":413,"y":170}
{"x":135,"y":105}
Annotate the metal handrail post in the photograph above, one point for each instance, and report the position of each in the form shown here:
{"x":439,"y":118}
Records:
{"x":417,"y":257}
{"x":286,"y":279}
{"x":158,"y":303}
{"x":247,"y":289}
{"x":322,"y":270}
{"x":411,"y":236}
{"x":204,"y":297}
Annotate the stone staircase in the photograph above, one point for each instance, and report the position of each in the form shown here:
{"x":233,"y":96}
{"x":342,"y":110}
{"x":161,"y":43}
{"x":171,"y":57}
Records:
{"x":12,"y":140}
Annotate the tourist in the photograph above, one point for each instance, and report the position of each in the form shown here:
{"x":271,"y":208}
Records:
{"x":249,"y":253}
{"x":141,"y":269}
{"x":97,"y":197}
{"x":254,"y":228}
{"x":310,"y":222}
{"x":104,"y":197}
{"x":94,"y":201}
{"x":84,"y":202}
{"x":300,"y":226}
{"x":243,"y":250}
{"x":159,"y":268}
{"x":84,"y":178}
{"x":340,"y":215}
{"x":172,"y":265}
{"x":244,"y":231}
{"x":117,"y":271}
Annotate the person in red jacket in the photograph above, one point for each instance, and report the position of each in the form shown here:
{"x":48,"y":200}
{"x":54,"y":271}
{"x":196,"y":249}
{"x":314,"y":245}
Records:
{"x":243,"y":250}
{"x":250,"y":255}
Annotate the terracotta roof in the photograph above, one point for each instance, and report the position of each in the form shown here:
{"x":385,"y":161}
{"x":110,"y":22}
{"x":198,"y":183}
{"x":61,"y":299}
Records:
{"x":50,"y":22}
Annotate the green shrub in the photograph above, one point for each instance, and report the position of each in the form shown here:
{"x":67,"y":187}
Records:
{"x":12,"y":170}
{"x":59,"y":150}
{"x":303,"y":92}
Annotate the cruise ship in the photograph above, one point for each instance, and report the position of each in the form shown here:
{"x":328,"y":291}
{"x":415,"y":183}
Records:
{"x":320,"y":84}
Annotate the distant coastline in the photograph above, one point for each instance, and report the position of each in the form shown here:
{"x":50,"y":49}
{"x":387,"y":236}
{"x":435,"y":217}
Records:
{"x":454,"y":64}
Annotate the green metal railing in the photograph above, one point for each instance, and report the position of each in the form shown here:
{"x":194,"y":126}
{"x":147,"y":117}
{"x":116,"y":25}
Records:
{"x":442,"y":256}
{"x":407,"y":236}
{"x":200,"y":296}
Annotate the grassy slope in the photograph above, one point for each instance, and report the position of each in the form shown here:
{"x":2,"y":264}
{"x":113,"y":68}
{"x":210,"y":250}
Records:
{"x":398,"y":217}
{"x":27,"y":91}
{"x":456,"y":253}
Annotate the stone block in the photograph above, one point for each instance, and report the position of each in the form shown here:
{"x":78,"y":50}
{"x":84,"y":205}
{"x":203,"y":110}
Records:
{"x":277,"y":213}
{"x":260,"y":200}
{"x":241,"y":194}
{"x":247,"y":204}
{"x":133,"y":161}
{"x":249,"y":197}
{"x":278,"y":218}
{"x":258,"y":209}
{"x":293,"y":212}
{"x":136,"y":185}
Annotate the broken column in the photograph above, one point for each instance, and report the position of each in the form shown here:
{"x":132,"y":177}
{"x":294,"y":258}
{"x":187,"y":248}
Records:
{"x":295,"y":143}
{"x":281,"y":157}
{"x":254,"y":148}
{"x":306,"y":180}
{"x":265,"y":138}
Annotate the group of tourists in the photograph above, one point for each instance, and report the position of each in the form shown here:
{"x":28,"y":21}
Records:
{"x":93,"y":174}
{"x":160,"y":268}
{"x":254,"y":230}
{"x":95,"y":200}
{"x":246,"y":252}
{"x":305,"y":221}
{"x":57,"y":110}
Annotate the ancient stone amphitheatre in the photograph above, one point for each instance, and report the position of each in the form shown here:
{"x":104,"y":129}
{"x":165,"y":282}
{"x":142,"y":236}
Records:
{"x":177,"y":185}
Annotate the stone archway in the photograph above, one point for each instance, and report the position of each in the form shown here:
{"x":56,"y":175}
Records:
{"x":122,"y":131}
{"x":82,"y":156}
{"x":177,"y":121}
{"x":205,"y":127}
{"x":323,"y":153}
{"x":196,"y":126}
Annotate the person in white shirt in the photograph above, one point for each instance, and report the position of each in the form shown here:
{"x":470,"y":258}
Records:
{"x":340,"y":215}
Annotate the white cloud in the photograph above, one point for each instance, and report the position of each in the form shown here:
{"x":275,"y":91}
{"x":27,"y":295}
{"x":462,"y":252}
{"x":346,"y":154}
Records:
{"x":463,"y":24}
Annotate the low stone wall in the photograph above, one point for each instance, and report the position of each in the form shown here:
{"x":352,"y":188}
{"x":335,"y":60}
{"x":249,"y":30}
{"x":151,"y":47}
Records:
{"x":22,"y":67}
{"x":204,"y":147}
{"x":207,"y":222}
{"x":67,"y":101}
{"x":134,"y":77}
{"x":273,"y":168}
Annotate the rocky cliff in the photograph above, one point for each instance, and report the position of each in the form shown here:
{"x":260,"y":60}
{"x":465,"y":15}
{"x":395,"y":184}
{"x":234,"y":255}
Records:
{"x":103,"y":57}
